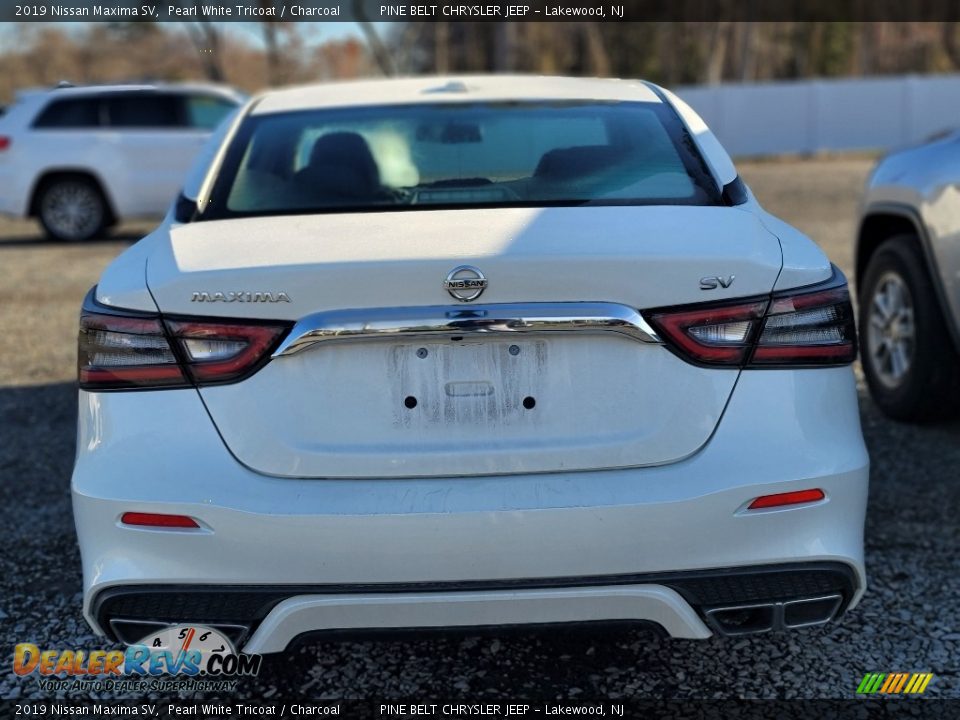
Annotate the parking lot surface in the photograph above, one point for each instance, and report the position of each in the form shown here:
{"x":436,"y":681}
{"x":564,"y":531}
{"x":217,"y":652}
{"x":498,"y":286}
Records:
{"x":908,"y":620}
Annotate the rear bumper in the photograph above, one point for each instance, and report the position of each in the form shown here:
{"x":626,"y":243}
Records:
{"x":684,"y":604}
{"x":559,"y":547}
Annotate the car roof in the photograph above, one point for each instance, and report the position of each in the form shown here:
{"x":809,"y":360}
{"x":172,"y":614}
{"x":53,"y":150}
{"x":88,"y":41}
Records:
{"x":86,"y":90}
{"x":451,"y":89}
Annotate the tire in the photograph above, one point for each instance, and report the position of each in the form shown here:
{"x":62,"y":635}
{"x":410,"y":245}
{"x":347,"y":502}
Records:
{"x":908,"y":357}
{"x":72,"y":209}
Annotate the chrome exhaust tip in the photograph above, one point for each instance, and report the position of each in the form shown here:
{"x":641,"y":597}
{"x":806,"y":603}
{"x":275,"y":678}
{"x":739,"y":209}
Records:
{"x":811,"y":611}
{"x":755,"y":618}
{"x":743,"y":619}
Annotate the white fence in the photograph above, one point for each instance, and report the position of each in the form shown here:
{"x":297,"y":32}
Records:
{"x":815,"y":115}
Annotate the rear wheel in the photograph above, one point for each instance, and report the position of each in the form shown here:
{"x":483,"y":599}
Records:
{"x":909,"y":360}
{"x":71,"y":209}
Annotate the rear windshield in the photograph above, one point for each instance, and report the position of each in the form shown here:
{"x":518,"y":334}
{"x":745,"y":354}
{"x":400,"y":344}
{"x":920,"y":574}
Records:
{"x":460,"y":155}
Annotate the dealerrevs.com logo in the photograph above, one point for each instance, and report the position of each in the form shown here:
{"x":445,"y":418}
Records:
{"x":184,"y":657}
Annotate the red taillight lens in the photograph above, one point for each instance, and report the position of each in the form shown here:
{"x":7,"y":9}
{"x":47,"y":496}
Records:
{"x":5,"y":142}
{"x":222,"y":352}
{"x":715,"y":334}
{"x":812,"y":328}
{"x":121,"y":352}
{"x":125,"y":352}
{"x":800,"y":328}
{"x":788,"y":498}
{"x":158,"y":520}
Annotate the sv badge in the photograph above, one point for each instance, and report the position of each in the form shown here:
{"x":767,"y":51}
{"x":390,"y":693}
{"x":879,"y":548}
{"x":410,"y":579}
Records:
{"x":715,"y":281}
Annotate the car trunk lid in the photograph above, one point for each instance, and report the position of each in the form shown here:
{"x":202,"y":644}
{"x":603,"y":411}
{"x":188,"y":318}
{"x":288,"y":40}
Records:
{"x":460,"y":404}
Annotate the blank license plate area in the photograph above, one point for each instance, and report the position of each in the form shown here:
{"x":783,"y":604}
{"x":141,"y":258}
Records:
{"x":469,"y":382}
{"x":443,"y":408}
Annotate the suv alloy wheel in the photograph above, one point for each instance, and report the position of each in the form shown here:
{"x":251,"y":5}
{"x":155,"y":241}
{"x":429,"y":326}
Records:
{"x":908,"y":358}
{"x":72,"y":209}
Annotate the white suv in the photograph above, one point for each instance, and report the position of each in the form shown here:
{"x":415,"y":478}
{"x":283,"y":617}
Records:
{"x":81,"y":159}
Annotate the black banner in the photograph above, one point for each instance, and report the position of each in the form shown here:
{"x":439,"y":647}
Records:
{"x":478,"y":10}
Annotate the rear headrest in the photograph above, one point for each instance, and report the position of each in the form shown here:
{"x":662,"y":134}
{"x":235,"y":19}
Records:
{"x":566,"y":163}
{"x":348,"y":149}
{"x":341,"y":164}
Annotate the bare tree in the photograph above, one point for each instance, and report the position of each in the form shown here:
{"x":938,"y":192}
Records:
{"x":406,"y":43}
{"x":206,"y":39}
{"x":380,"y":52}
{"x":719,"y":36}
{"x":748,"y":50}
{"x":505,"y":47}
{"x":281,"y":42}
{"x":269,"y":27}
{"x":950,"y":45}
{"x":866,"y":48}
{"x":596,"y":51}
{"x":441,"y":47}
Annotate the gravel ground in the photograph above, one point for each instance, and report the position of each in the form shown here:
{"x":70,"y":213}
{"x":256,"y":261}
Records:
{"x":908,"y":620}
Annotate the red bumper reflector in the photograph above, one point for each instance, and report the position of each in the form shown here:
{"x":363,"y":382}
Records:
{"x":158,"y":520}
{"x":789,"y":498}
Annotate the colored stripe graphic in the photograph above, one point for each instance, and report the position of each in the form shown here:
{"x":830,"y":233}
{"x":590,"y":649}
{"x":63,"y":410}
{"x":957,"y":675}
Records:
{"x":890,"y":683}
{"x":894,"y":683}
{"x":870,"y":683}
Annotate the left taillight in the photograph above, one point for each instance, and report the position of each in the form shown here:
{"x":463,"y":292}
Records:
{"x":126,"y":352}
{"x":5,"y":142}
{"x":711,"y":334}
{"x":804,"y":327}
{"x":118,"y":352}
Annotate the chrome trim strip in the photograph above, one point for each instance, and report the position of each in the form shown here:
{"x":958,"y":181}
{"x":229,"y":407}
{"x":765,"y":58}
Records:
{"x":444,"y":320}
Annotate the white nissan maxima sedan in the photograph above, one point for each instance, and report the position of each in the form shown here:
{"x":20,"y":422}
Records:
{"x":438,"y":353}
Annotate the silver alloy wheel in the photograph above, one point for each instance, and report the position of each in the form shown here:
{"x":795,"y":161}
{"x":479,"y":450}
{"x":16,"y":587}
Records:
{"x":891,"y":334}
{"x":72,"y":209}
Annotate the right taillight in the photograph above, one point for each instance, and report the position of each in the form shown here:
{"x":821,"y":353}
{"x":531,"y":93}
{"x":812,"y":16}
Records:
{"x":5,"y":142}
{"x":118,"y":351}
{"x":812,"y":328}
{"x":806,"y":327}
